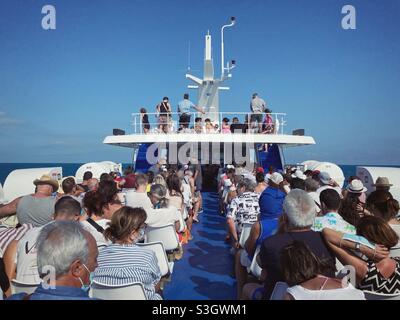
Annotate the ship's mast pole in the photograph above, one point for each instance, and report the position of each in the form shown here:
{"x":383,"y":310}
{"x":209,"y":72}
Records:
{"x":222,"y":46}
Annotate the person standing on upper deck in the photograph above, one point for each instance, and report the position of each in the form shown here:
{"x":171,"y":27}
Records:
{"x":257,"y":107}
{"x":164,"y":115}
{"x":184,"y":111}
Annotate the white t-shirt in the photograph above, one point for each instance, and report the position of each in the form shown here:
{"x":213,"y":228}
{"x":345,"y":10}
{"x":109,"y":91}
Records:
{"x":137,"y":199}
{"x":175,"y":201}
{"x":162,"y":217}
{"x":348,"y":293}
{"x":26,"y":258}
{"x":101,"y":241}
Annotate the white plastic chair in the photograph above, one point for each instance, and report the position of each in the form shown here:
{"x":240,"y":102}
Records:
{"x":279,"y":291}
{"x":245,"y":233}
{"x":165,"y":266}
{"x":166,"y":234}
{"x":2,"y":200}
{"x":394,"y":252}
{"x":22,"y":287}
{"x":369,"y":295}
{"x":255,"y":269}
{"x":134,"y":291}
{"x":185,"y":214}
{"x":339,"y":266}
{"x":182,"y":223}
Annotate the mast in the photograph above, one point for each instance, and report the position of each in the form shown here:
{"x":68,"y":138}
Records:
{"x":208,"y":87}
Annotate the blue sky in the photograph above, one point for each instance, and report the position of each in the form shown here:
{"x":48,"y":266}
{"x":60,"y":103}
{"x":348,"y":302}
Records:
{"x":62,"y":91}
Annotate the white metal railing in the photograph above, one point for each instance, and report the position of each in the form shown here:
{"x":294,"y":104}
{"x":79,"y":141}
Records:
{"x":172,"y":122}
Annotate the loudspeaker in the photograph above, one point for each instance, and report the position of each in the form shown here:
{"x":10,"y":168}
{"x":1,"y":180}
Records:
{"x":118,"y":132}
{"x":298,"y":132}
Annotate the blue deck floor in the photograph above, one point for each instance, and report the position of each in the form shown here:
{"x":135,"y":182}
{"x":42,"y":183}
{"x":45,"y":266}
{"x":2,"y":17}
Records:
{"x":206,"y":270}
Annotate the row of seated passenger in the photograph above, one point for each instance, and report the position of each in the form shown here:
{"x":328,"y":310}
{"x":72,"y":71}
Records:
{"x":136,"y":244}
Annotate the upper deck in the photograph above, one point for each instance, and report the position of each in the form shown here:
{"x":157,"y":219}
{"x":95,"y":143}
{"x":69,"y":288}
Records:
{"x":155,"y":135}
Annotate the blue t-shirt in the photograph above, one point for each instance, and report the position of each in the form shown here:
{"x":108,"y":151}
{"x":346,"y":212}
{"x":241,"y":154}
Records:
{"x":58,"y":293}
{"x":185,"y":105}
{"x":271,"y":201}
{"x":268,"y":227}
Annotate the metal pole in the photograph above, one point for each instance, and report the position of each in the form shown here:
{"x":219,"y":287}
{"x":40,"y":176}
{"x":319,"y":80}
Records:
{"x":220,"y":122}
{"x":222,"y":45}
{"x":222,"y":52}
{"x":135,"y":123}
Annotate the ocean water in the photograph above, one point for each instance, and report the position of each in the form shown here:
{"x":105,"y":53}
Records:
{"x":69,"y":169}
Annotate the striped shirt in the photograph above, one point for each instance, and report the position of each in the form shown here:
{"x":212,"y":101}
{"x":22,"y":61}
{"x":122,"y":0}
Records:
{"x":10,"y":234}
{"x":126,"y":264}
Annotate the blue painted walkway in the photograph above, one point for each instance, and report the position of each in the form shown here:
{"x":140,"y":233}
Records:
{"x":206,"y":270}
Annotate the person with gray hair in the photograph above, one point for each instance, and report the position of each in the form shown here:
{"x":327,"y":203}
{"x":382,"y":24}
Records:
{"x":297,"y":219}
{"x":161,"y":213}
{"x":299,"y":209}
{"x":20,"y":257}
{"x":243,"y":209}
{"x":66,"y":258}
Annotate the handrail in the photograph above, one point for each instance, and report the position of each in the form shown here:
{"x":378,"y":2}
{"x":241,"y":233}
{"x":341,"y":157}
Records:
{"x":172,"y":123}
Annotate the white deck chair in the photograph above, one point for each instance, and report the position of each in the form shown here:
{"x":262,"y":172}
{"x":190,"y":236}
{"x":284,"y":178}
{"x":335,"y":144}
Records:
{"x":279,"y":291}
{"x":245,"y":233}
{"x":134,"y":291}
{"x":394,"y":252}
{"x":22,"y":287}
{"x":339,"y":266}
{"x":166,"y":267}
{"x":185,"y":214}
{"x":166,"y":234}
{"x":182,"y":224}
{"x":369,"y":295}
{"x":255,"y":269}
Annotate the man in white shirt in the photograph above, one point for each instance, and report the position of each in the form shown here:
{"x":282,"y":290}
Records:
{"x":330,"y":218}
{"x":138,"y":197}
{"x":20,"y":257}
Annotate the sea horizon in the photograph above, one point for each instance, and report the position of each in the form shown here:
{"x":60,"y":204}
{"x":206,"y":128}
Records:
{"x":70,"y":168}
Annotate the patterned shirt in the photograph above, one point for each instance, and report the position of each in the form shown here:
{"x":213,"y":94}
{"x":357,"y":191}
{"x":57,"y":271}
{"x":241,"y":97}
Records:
{"x":126,"y":264}
{"x":10,"y":234}
{"x":334,"y":221}
{"x":374,"y":281}
{"x":244,"y":209}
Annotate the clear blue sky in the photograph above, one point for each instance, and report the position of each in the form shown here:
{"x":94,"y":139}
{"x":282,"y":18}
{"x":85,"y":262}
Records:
{"x":62,"y":91}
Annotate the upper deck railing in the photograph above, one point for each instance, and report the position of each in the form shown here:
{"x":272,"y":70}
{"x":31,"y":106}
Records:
{"x":170,"y":124}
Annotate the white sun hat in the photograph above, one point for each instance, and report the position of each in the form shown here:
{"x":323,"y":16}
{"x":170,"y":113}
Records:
{"x":276,"y":178}
{"x":356,"y":186}
{"x":299,"y":174}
